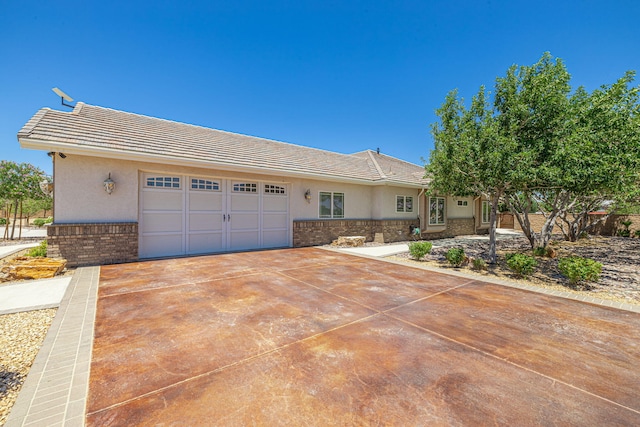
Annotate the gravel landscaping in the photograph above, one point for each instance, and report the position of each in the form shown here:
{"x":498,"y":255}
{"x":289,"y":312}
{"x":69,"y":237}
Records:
{"x":620,"y":258}
{"x":21,"y":335}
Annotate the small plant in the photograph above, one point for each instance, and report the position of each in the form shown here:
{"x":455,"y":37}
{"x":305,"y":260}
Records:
{"x":479,"y":264}
{"x":578,"y":269}
{"x":455,"y":256}
{"x":539,"y":251}
{"x":521,"y":264}
{"x":637,"y":233}
{"x":625,"y":232}
{"x":39,"y":222}
{"x":417,"y":250}
{"x":49,"y":220}
{"x":39,"y":251}
{"x":3,"y":221}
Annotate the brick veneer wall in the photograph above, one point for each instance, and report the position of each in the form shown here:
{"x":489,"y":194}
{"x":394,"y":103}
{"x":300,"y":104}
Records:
{"x":454,"y":227}
{"x":93,"y":244}
{"x":322,"y":232}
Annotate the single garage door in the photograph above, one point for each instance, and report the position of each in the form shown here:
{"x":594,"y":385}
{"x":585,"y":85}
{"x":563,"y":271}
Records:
{"x":184,"y":215}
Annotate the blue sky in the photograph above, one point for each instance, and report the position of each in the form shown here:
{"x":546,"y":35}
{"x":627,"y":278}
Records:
{"x":336,"y":75}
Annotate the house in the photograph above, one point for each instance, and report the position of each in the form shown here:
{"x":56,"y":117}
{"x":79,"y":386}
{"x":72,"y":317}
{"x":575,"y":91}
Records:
{"x":129,"y":187}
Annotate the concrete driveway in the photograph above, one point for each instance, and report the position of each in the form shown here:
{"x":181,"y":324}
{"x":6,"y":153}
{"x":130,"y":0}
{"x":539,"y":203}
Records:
{"x":313,"y":337}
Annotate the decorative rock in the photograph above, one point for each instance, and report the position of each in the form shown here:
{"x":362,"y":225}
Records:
{"x":32,"y":268}
{"x":350,"y":241}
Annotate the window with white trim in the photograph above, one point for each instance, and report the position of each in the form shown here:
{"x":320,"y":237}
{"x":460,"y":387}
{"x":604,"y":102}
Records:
{"x":436,"y":210}
{"x":462,"y":203}
{"x":274,"y":189}
{"x":245,"y":187}
{"x":331,"y":205}
{"x":404,"y":203}
{"x":163,"y":182}
{"x":204,"y":184}
{"x":486,"y":212}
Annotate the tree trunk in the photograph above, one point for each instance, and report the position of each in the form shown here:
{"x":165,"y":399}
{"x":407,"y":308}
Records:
{"x":493,"y":256}
{"x":20,"y":226}
{"x":15,"y":217}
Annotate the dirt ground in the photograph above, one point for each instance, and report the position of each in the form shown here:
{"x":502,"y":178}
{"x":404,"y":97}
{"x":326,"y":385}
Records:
{"x":620,"y":258}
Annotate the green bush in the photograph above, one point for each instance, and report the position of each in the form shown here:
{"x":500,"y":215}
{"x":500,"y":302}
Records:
{"x":419,"y":249}
{"x":578,"y":269}
{"x":521,"y":264}
{"x":38,"y":222}
{"x":40,"y":250}
{"x":3,"y":221}
{"x":479,"y":264}
{"x":637,"y":233}
{"x":49,"y":220}
{"x":455,"y":256}
{"x":540,"y":251}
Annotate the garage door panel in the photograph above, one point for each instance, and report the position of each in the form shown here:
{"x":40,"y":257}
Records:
{"x":274,"y":239}
{"x":274,"y":221}
{"x":161,"y":245}
{"x":244,"y":202}
{"x":244,"y":221}
{"x":158,"y":222}
{"x":244,"y":240}
{"x":206,"y":242}
{"x":202,"y":201}
{"x":275,"y":204}
{"x":205,"y":221}
{"x":162,"y":200}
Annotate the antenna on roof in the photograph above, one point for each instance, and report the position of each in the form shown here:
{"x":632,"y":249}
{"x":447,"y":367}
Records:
{"x":63,"y":97}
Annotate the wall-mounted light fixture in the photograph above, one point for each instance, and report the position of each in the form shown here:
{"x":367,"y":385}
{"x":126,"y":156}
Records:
{"x":109,"y":184}
{"x":46,"y":187}
{"x":307,"y":196}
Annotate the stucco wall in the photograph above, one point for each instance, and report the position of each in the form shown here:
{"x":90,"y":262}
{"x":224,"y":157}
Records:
{"x":80,"y":197}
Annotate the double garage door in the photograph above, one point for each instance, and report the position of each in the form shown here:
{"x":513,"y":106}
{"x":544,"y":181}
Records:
{"x":184,"y":215}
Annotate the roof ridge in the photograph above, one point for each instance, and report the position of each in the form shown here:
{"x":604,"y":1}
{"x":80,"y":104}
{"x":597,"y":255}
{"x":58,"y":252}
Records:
{"x":376,"y":164}
{"x":213,"y":129}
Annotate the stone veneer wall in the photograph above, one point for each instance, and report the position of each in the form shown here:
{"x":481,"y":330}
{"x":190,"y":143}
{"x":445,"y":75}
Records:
{"x":93,"y":244}
{"x":454,"y":227}
{"x":322,"y":232}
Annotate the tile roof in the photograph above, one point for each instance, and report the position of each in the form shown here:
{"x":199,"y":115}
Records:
{"x":110,"y":132}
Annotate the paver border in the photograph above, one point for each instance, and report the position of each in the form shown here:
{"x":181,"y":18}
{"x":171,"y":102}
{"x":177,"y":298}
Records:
{"x":55,"y":391}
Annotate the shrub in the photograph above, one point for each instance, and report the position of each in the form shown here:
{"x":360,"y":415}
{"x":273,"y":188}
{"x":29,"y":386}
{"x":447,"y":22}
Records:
{"x":49,"y":220}
{"x":40,"y":250}
{"x":624,"y":233}
{"x":38,"y":222}
{"x":637,"y":233}
{"x":479,"y":264}
{"x":521,"y":264}
{"x":455,"y":256}
{"x":3,"y":221}
{"x":419,"y":249}
{"x":578,"y":269}
{"x":539,"y":251}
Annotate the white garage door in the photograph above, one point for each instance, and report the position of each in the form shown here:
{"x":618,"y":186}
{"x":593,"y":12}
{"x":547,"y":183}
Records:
{"x":182,"y":215}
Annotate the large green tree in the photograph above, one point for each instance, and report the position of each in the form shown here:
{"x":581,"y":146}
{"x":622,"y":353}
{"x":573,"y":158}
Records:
{"x":539,"y":144}
{"x":18,"y":182}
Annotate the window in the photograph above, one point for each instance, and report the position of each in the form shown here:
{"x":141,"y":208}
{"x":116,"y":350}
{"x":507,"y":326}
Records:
{"x":436,"y":210}
{"x":204,"y":184}
{"x":404,"y":203}
{"x":245,"y":187}
{"x":273,"y":189}
{"x":163,"y":181}
{"x":463,"y":203}
{"x":331,"y":205}
{"x":486,"y":212}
